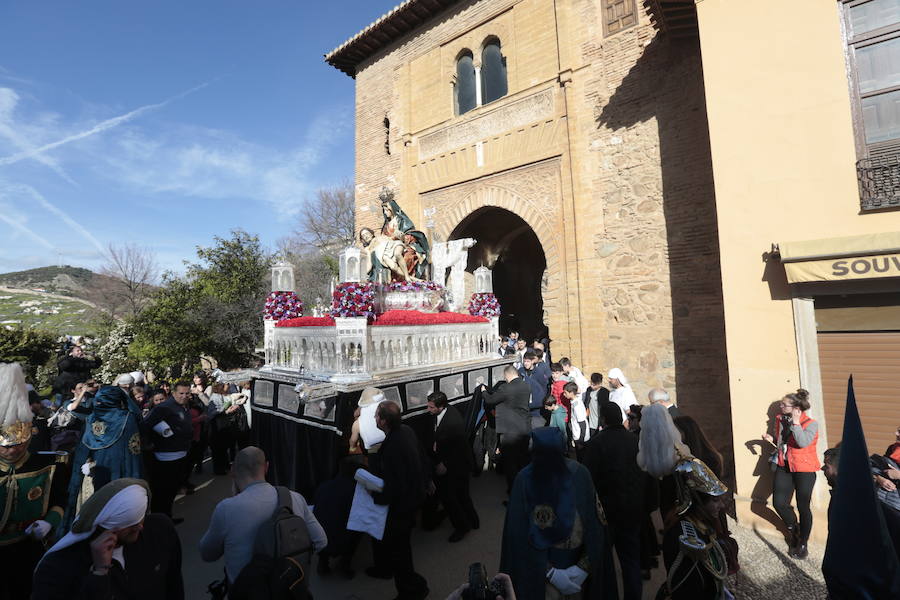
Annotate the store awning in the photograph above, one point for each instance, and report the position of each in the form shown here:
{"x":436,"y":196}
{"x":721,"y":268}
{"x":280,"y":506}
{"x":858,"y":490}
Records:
{"x":870,"y":256}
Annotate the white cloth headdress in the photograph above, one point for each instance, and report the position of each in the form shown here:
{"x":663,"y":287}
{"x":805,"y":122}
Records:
{"x":126,"y":508}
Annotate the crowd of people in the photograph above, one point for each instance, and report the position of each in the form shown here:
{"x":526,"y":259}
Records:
{"x":89,"y":476}
{"x":59,"y":452}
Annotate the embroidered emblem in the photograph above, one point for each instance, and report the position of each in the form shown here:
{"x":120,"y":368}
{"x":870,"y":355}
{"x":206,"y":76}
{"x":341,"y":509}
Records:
{"x":35,"y":493}
{"x":543,"y":516}
{"x":98,"y":428}
{"x":134,"y":444}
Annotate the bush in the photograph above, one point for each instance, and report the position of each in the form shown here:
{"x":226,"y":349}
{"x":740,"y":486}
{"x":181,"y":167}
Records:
{"x":32,"y":348}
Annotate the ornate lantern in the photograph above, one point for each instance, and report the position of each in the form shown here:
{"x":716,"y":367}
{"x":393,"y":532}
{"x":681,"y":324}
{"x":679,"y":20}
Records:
{"x":282,"y":277}
{"x":484,"y":281}
{"x":349,"y":265}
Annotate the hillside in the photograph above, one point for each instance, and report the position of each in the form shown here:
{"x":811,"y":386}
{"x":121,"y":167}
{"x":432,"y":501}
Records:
{"x":65,"y":280}
{"x":53,"y":313}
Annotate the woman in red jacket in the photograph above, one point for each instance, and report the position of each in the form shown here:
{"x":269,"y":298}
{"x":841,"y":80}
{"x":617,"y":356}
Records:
{"x":795,"y":465}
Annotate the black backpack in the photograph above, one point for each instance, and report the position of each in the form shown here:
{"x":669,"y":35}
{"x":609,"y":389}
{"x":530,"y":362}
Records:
{"x":275,"y":570}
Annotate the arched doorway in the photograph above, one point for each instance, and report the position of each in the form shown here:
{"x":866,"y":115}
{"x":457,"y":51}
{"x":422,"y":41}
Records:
{"x":509,"y":246}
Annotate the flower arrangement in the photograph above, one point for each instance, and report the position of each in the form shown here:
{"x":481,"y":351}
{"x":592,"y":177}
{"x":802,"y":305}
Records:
{"x":306,"y":322}
{"x":413,"y":286}
{"x":484,"y":304}
{"x":352,"y":299}
{"x":282,"y":305}
{"x":415,"y":317}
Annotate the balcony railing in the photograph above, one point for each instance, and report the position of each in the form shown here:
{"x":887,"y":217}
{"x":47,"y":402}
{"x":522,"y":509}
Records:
{"x":879,"y":181}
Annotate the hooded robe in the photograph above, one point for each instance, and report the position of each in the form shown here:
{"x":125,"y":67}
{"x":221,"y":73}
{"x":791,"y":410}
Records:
{"x":553,"y":521}
{"x":112,"y":440}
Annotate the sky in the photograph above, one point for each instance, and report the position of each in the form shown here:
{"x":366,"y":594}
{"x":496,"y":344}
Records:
{"x":166,"y":123}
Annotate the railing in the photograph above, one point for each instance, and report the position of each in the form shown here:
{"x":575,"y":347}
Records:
{"x":879,"y":181}
{"x":351,"y":348}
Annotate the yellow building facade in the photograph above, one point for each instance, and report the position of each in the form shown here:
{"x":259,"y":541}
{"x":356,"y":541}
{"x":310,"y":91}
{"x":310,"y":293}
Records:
{"x":626,"y":169}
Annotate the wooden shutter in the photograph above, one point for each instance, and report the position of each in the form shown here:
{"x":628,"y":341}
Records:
{"x":873,"y":358}
{"x":618,"y":15}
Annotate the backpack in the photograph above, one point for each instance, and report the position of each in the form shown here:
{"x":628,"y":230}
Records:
{"x":275,"y":570}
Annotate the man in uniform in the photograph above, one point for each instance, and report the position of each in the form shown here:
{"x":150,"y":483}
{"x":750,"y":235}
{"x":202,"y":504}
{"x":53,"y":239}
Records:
{"x":32,"y":488}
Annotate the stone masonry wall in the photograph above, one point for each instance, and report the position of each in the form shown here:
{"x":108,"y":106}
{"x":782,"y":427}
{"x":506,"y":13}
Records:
{"x":635,"y":247}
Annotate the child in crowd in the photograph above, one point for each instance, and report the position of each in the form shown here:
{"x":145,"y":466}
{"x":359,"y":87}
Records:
{"x":556,"y":388}
{"x":558,"y":414}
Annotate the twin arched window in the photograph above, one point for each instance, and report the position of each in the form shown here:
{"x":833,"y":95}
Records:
{"x":480,"y":85}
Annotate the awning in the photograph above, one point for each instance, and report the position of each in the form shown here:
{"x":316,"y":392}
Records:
{"x":870,"y":256}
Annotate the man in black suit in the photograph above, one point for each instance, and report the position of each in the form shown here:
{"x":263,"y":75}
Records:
{"x":405,"y":477}
{"x":513,"y":421}
{"x":453,"y":460}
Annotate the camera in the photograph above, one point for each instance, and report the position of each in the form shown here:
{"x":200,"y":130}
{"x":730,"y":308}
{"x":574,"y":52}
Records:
{"x":479,"y":586}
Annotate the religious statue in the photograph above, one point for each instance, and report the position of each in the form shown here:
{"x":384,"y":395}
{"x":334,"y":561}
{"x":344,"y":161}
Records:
{"x":398,"y":252}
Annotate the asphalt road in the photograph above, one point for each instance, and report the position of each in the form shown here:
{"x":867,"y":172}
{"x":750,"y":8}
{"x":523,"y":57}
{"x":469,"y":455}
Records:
{"x":444,"y":565}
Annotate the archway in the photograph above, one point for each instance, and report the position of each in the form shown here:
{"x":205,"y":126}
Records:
{"x":509,"y":246}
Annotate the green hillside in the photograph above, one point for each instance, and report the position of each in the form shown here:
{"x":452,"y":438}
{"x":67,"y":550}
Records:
{"x":53,"y":314}
{"x":63,"y":280}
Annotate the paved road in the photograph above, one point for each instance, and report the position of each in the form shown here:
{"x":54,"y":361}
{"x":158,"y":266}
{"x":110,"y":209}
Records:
{"x":765,"y":566}
{"x":444,"y":565}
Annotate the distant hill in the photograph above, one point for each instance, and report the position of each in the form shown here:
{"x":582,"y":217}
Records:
{"x":64,"y":281}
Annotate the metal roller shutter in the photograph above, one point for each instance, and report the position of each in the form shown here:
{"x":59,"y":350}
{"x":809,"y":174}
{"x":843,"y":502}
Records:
{"x":873,"y":358}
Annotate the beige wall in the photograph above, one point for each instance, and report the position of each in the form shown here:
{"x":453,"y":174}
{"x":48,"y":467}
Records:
{"x":784,"y":170}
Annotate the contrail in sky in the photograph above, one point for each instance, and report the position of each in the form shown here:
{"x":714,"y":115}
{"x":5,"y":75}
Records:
{"x":98,"y":128}
{"x":16,"y":225}
{"x":27,"y":189}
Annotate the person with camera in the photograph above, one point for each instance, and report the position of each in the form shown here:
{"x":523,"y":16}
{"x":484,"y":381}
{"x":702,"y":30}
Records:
{"x":795,"y":464}
{"x":74,"y":367}
{"x":500,"y":587}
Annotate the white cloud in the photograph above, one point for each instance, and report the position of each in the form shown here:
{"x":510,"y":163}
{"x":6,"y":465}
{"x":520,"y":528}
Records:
{"x":218,"y":165}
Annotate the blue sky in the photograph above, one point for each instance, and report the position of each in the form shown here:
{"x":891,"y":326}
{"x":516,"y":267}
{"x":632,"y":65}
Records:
{"x":165,"y":123}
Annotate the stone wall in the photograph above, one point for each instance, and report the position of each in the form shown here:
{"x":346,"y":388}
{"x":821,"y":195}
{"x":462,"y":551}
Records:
{"x":656,"y":239}
{"x":602,"y":147}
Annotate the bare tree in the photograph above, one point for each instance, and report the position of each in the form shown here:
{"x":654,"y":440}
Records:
{"x":132,"y":271}
{"x":327,"y":221}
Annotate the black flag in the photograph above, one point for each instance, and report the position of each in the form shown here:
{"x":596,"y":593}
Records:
{"x":859,"y":558}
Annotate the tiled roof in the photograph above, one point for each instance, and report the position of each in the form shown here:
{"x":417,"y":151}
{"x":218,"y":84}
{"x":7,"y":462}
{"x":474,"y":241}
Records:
{"x":391,"y":26}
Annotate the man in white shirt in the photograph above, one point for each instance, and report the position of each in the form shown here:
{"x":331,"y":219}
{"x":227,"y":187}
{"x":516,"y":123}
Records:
{"x":236,"y":520}
{"x":621,"y":393}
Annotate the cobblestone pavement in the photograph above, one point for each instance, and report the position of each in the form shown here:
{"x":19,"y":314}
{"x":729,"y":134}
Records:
{"x":768,"y":572}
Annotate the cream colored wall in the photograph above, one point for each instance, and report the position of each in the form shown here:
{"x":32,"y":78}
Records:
{"x":784,"y":167}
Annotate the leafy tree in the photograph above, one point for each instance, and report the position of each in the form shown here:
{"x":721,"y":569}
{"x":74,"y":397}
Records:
{"x":214,"y":310}
{"x":32,"y":348}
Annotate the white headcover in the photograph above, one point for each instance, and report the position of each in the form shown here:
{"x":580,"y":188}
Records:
{"x":14,"y":407}
{"x":124,"y":379}
{"x":616,"y":373}
{"x":127,"y":508}
{"x":137,"y":376}
{"x":368,"y":430}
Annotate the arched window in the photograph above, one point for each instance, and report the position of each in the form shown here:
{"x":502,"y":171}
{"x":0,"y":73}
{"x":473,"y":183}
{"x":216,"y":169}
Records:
{"x":465,"y":94}
{"x":493,"y":72}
